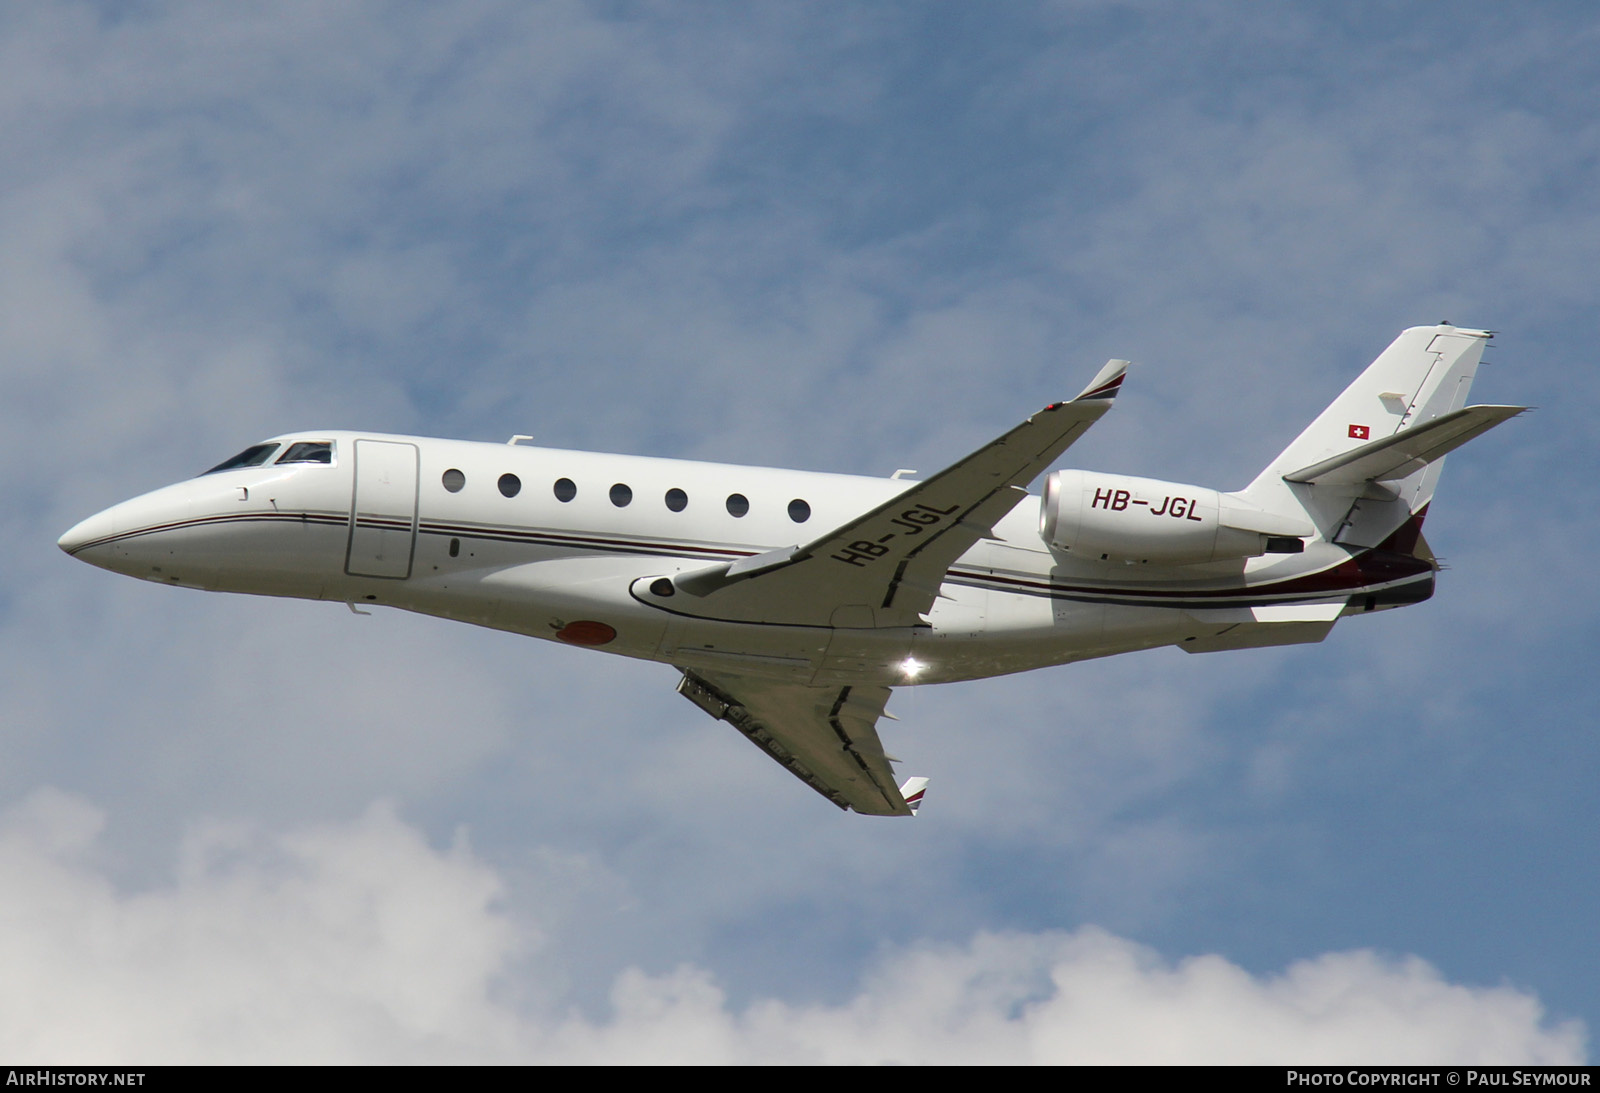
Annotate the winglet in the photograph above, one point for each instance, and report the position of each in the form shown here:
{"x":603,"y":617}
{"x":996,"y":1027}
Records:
{"x":1106,"y":383}
{"x":912,"y":791}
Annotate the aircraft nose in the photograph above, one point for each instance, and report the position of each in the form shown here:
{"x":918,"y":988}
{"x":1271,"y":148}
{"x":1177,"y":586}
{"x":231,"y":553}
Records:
{"x":130,"y":537}
{"x":85,"y":534}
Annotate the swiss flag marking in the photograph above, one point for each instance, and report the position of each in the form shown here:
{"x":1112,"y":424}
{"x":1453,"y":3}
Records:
{"x":1359,"y":432}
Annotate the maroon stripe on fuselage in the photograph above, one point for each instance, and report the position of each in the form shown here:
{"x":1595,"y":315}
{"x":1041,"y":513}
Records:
{"x":336,"y":520}
{"x":1366,"y":570}
{"x":1369,"y":569}
{"x":500,"y":534}
{"x":530,"y":535}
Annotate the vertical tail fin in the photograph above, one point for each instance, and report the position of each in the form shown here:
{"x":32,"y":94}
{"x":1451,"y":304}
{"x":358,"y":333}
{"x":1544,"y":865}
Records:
{"x":1370,"y":462}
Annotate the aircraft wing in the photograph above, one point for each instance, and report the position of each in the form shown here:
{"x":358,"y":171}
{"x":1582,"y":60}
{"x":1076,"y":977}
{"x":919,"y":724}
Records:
{"x":825,"y":736}
{"x":893,"y":559}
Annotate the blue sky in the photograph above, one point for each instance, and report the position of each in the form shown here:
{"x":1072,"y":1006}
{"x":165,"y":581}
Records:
{"x":837,"y":236}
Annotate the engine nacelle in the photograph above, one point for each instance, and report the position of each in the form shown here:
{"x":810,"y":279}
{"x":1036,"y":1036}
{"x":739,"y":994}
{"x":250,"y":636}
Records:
{"x":1119,"y":518}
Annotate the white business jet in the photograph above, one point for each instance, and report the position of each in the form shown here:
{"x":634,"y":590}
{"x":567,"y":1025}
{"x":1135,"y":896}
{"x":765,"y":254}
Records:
{"x":791,"y":602}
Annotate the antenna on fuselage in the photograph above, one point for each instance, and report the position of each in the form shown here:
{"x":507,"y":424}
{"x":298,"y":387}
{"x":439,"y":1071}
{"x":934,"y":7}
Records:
{"x":519,"y":436}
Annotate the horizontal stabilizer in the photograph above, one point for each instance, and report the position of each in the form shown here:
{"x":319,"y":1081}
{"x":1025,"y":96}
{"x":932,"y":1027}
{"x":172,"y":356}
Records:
{"x":1407,"y":451}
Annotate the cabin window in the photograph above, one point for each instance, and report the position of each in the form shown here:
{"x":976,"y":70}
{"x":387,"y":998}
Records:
{"x":621,"y":495}
{"x":566,"y":490}
{"x":308,"y":451}
{"x":799,"y":511}
{"x":253,"y":456}
{"x":453,"y":480}
{"x":455,"y":548}
{"x":738,"y":504}
{"x":510,"y":485}
{"x":677,"y":500}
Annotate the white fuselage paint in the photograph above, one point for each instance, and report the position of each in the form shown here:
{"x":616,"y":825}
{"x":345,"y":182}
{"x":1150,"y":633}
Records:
{"x":534,"y":564}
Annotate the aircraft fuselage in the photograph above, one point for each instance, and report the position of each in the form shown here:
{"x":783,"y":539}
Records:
{"x":554,"y":544}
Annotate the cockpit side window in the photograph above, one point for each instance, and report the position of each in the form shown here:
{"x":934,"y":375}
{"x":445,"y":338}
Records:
{"x":308,"y":451}
{"x":253,"y":456}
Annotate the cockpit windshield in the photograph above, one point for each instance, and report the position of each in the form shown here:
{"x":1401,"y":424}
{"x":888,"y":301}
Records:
{"x":308,"y":451}
{"x":253,"y":456}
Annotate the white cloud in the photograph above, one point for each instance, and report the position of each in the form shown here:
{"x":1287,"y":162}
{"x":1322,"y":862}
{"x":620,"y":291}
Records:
{"x":357,"y":941}
{"x":333,"y":943}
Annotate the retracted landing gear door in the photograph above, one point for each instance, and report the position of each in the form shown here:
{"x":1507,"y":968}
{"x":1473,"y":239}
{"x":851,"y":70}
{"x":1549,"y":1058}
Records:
{"x":383,"y":510}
